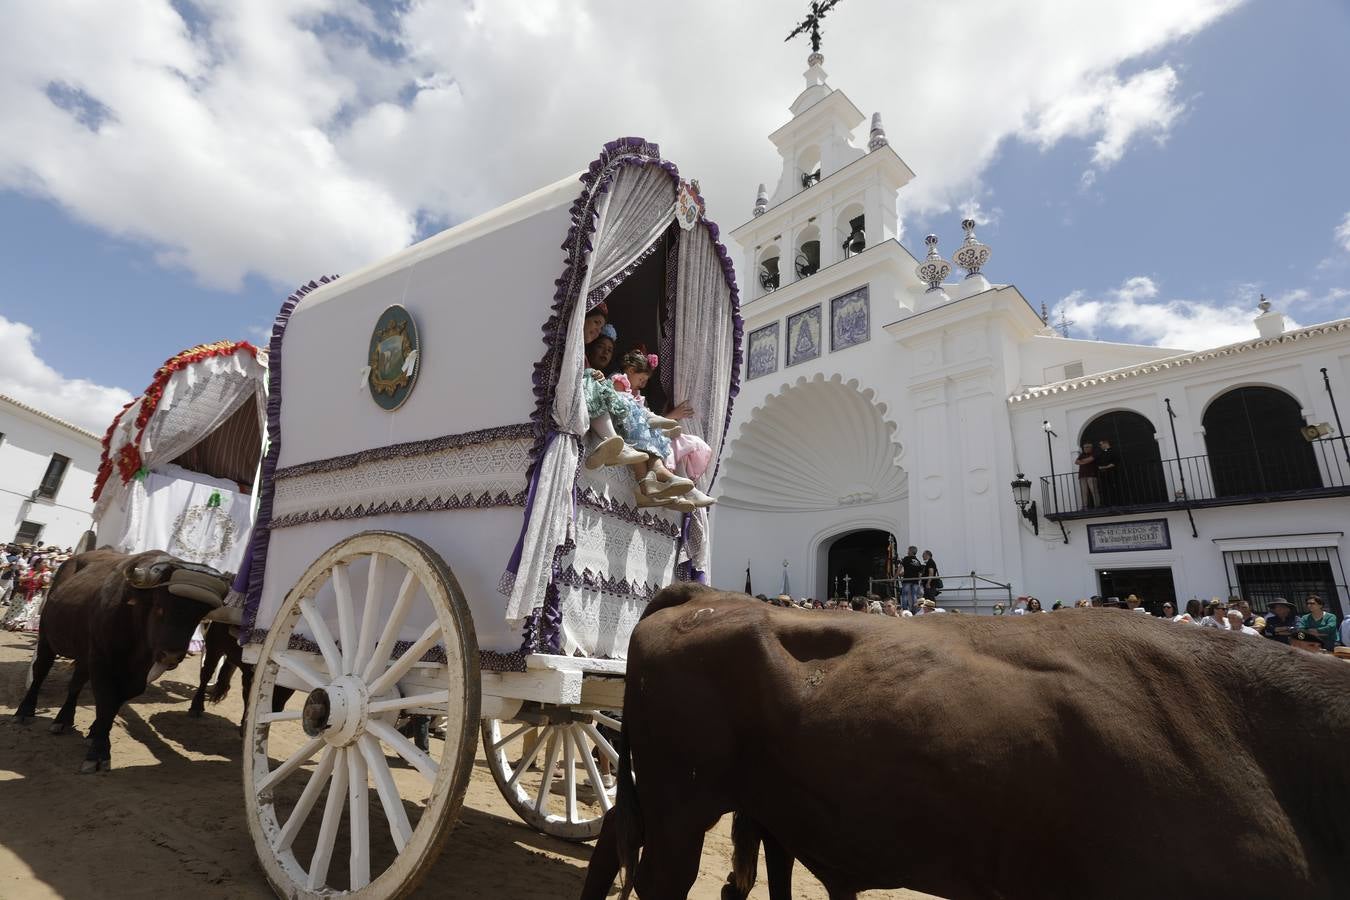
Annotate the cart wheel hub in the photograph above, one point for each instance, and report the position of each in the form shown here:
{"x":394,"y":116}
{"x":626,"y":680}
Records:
{"x":314,"y":718}
{"x":338,"y":712}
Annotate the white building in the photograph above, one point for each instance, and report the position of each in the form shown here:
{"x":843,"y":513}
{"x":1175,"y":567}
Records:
{"x":879,"y":402}
{"x":47,"y":471}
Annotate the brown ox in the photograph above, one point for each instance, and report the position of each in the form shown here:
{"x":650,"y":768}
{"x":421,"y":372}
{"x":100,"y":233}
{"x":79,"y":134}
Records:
{"x":1089,"y":753}
{"x":124,"y":619}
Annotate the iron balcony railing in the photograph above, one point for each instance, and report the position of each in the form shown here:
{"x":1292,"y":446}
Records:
{"x":1211,"y":479}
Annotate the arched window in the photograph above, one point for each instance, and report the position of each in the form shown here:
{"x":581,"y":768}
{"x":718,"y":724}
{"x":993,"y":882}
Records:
{"x":806,"y":261}
{"x":1254,"y":443}
{"x":1136,"y":475}
{"x":808,"y":166}
{"x":769,"y":274}
{"x":850,"y":231}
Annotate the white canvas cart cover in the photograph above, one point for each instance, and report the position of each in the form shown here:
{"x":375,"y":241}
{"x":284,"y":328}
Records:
{"x":174,"y":458}
{"x":491,"y":428}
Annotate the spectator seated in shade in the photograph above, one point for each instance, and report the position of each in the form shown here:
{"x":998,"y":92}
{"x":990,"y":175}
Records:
{"x":1214,"y":615}
{"x":1320,"y":622}
{"x":1235,"y":623}
{"x":1281,"y":623}
{"x":1134,"y":604}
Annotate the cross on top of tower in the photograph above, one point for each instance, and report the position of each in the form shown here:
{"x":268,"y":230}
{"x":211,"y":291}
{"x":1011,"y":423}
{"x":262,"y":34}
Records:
{"x":811,"y":24}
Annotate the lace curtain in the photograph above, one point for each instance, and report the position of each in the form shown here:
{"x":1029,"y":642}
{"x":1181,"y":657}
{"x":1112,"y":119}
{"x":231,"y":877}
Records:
{"x":704,"y":346}
{"x":638,"y":207}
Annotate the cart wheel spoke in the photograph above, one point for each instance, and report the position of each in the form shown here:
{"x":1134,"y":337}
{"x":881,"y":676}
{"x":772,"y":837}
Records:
{"x":605,"y":746}
{"x":550,"y":758}
{"x":570,"y":777}
{"x":292,"y":663}
{"x":342,"y":589}
{"x":400,"y":666}
{"x":404,"y":748}
{"x":512,"y":736}
{"x":317,"y":779}
{"x":332,"y":814}
{"x":607,"y":721}
{"x":358,"y":809}
{"x":286,"y":715}
{"x":592,"y":772}
{"x":322,"y":636}
{"x":389,"y":636}
{"x":394,"y":813}
{"x":433,"y":699}
{"x":293,"y":762}
{"x":525,"y":760}
{"x":370,"y":612}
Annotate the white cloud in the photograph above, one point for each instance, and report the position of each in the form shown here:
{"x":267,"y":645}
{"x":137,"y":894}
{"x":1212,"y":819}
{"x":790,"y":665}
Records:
{"x":1343,"y":233}
{"x":1134,"y":313}
{"x":292,"y":138}
{"x":26,"y":378}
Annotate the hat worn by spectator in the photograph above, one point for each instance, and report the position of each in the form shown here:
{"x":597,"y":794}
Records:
{"x":928,"y":604}
{"x":1280,"y":601}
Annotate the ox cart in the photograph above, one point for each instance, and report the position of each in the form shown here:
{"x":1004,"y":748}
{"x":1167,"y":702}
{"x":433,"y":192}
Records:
{"x":428,"y":542}
{"x":179,"y":466}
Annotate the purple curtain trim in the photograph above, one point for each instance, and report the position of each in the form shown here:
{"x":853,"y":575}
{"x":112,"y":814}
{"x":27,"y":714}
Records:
{"x":508,"y":579}
{"x":667,"y":351}
{"x":411,"y":448}
{"x":262,"y":528}
{"x":240,"y":583}
{"x":550,"y":621}
{"x":493,"y":661}
{"x":439,"y":504}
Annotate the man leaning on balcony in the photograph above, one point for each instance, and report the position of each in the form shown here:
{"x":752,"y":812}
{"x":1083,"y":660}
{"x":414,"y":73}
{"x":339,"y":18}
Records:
{"x":1087,"y":477}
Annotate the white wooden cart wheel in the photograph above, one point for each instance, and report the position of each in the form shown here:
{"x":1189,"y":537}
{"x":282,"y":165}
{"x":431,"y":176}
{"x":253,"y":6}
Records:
{"x":341,"y":734}
{"x":548,"y":775}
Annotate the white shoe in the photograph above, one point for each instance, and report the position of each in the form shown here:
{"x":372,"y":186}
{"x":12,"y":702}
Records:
{"x":662,"y":422}
{"x":605,"y":452}
{"x":699,"y":499}
{"x":643,"y":499}
{"x":664,"y":490}
{"x":628,"y":456}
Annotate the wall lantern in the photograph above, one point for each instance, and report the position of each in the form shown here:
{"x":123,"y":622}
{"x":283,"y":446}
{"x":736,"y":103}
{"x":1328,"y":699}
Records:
{"x":1021,"y":489}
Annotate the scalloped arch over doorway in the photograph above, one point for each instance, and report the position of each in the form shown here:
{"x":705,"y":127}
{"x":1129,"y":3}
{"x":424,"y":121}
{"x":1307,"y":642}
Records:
{"x":819,"y":443}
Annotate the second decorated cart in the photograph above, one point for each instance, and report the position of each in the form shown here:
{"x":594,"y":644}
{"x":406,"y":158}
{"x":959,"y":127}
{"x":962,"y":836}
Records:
{"x":428,"y":541}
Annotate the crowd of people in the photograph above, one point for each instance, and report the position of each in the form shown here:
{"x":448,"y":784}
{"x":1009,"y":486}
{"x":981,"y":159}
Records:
{"x":1281,"y":622}
{"x":26,"y":572}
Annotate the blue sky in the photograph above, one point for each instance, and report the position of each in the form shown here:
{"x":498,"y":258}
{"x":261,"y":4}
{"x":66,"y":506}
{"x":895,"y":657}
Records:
{"x":1146,"y":166}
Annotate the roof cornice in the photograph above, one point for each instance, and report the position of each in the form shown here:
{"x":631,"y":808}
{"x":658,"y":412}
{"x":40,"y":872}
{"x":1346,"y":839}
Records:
{"x":1168,"y":363}
{"x":34,"y":411}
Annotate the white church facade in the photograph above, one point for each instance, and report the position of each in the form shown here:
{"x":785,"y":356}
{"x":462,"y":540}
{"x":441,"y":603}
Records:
{"x":894,"y":398}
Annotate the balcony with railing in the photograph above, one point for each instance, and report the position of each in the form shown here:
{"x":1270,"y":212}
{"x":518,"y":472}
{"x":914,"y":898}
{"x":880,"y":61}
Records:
{"x":1207,"y":480}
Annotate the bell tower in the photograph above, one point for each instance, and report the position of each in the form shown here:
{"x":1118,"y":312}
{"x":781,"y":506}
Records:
{"x":833,"y":199}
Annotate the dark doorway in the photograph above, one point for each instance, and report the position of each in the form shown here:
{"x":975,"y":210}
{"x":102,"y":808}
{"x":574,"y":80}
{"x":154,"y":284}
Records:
{"x":858,"y":556}
{"x":638,"y":311}
{"x":1255,"y":445}
{"x":1152,"y":586}
{"x":1137,"y":476}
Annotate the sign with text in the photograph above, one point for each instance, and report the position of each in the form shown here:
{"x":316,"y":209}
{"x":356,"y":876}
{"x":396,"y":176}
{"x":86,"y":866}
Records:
{"x":1118,"y":537}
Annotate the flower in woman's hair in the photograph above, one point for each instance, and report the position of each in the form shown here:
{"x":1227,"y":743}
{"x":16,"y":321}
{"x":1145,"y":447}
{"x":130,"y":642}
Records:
{"x":607,"y":330}
{"x":652,"y":360}
{"x":622,"y":383}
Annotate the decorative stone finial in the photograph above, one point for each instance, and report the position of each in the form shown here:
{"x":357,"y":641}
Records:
{"x":971,"y":255}
{"x":816,"y":59}
{"x":761,"y":201}
{"x":1045,"y":314}
{"x":934,"y":269}
{"x":878,"y":137}
{"x":1264,"y":305}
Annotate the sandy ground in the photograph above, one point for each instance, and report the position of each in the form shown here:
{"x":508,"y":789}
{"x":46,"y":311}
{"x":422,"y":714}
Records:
{"x":169,"y":821}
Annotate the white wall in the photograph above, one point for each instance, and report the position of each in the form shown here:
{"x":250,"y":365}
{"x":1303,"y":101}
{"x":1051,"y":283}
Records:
{"x":27,"y":448}
{"x":1055,"y":571}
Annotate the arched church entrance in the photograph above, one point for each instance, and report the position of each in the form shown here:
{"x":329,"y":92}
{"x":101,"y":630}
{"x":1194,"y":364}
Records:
{"x":856,"y":558}
{"x":812,"y":478}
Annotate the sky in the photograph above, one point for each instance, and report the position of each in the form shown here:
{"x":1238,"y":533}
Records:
{"x":171,"y":169}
